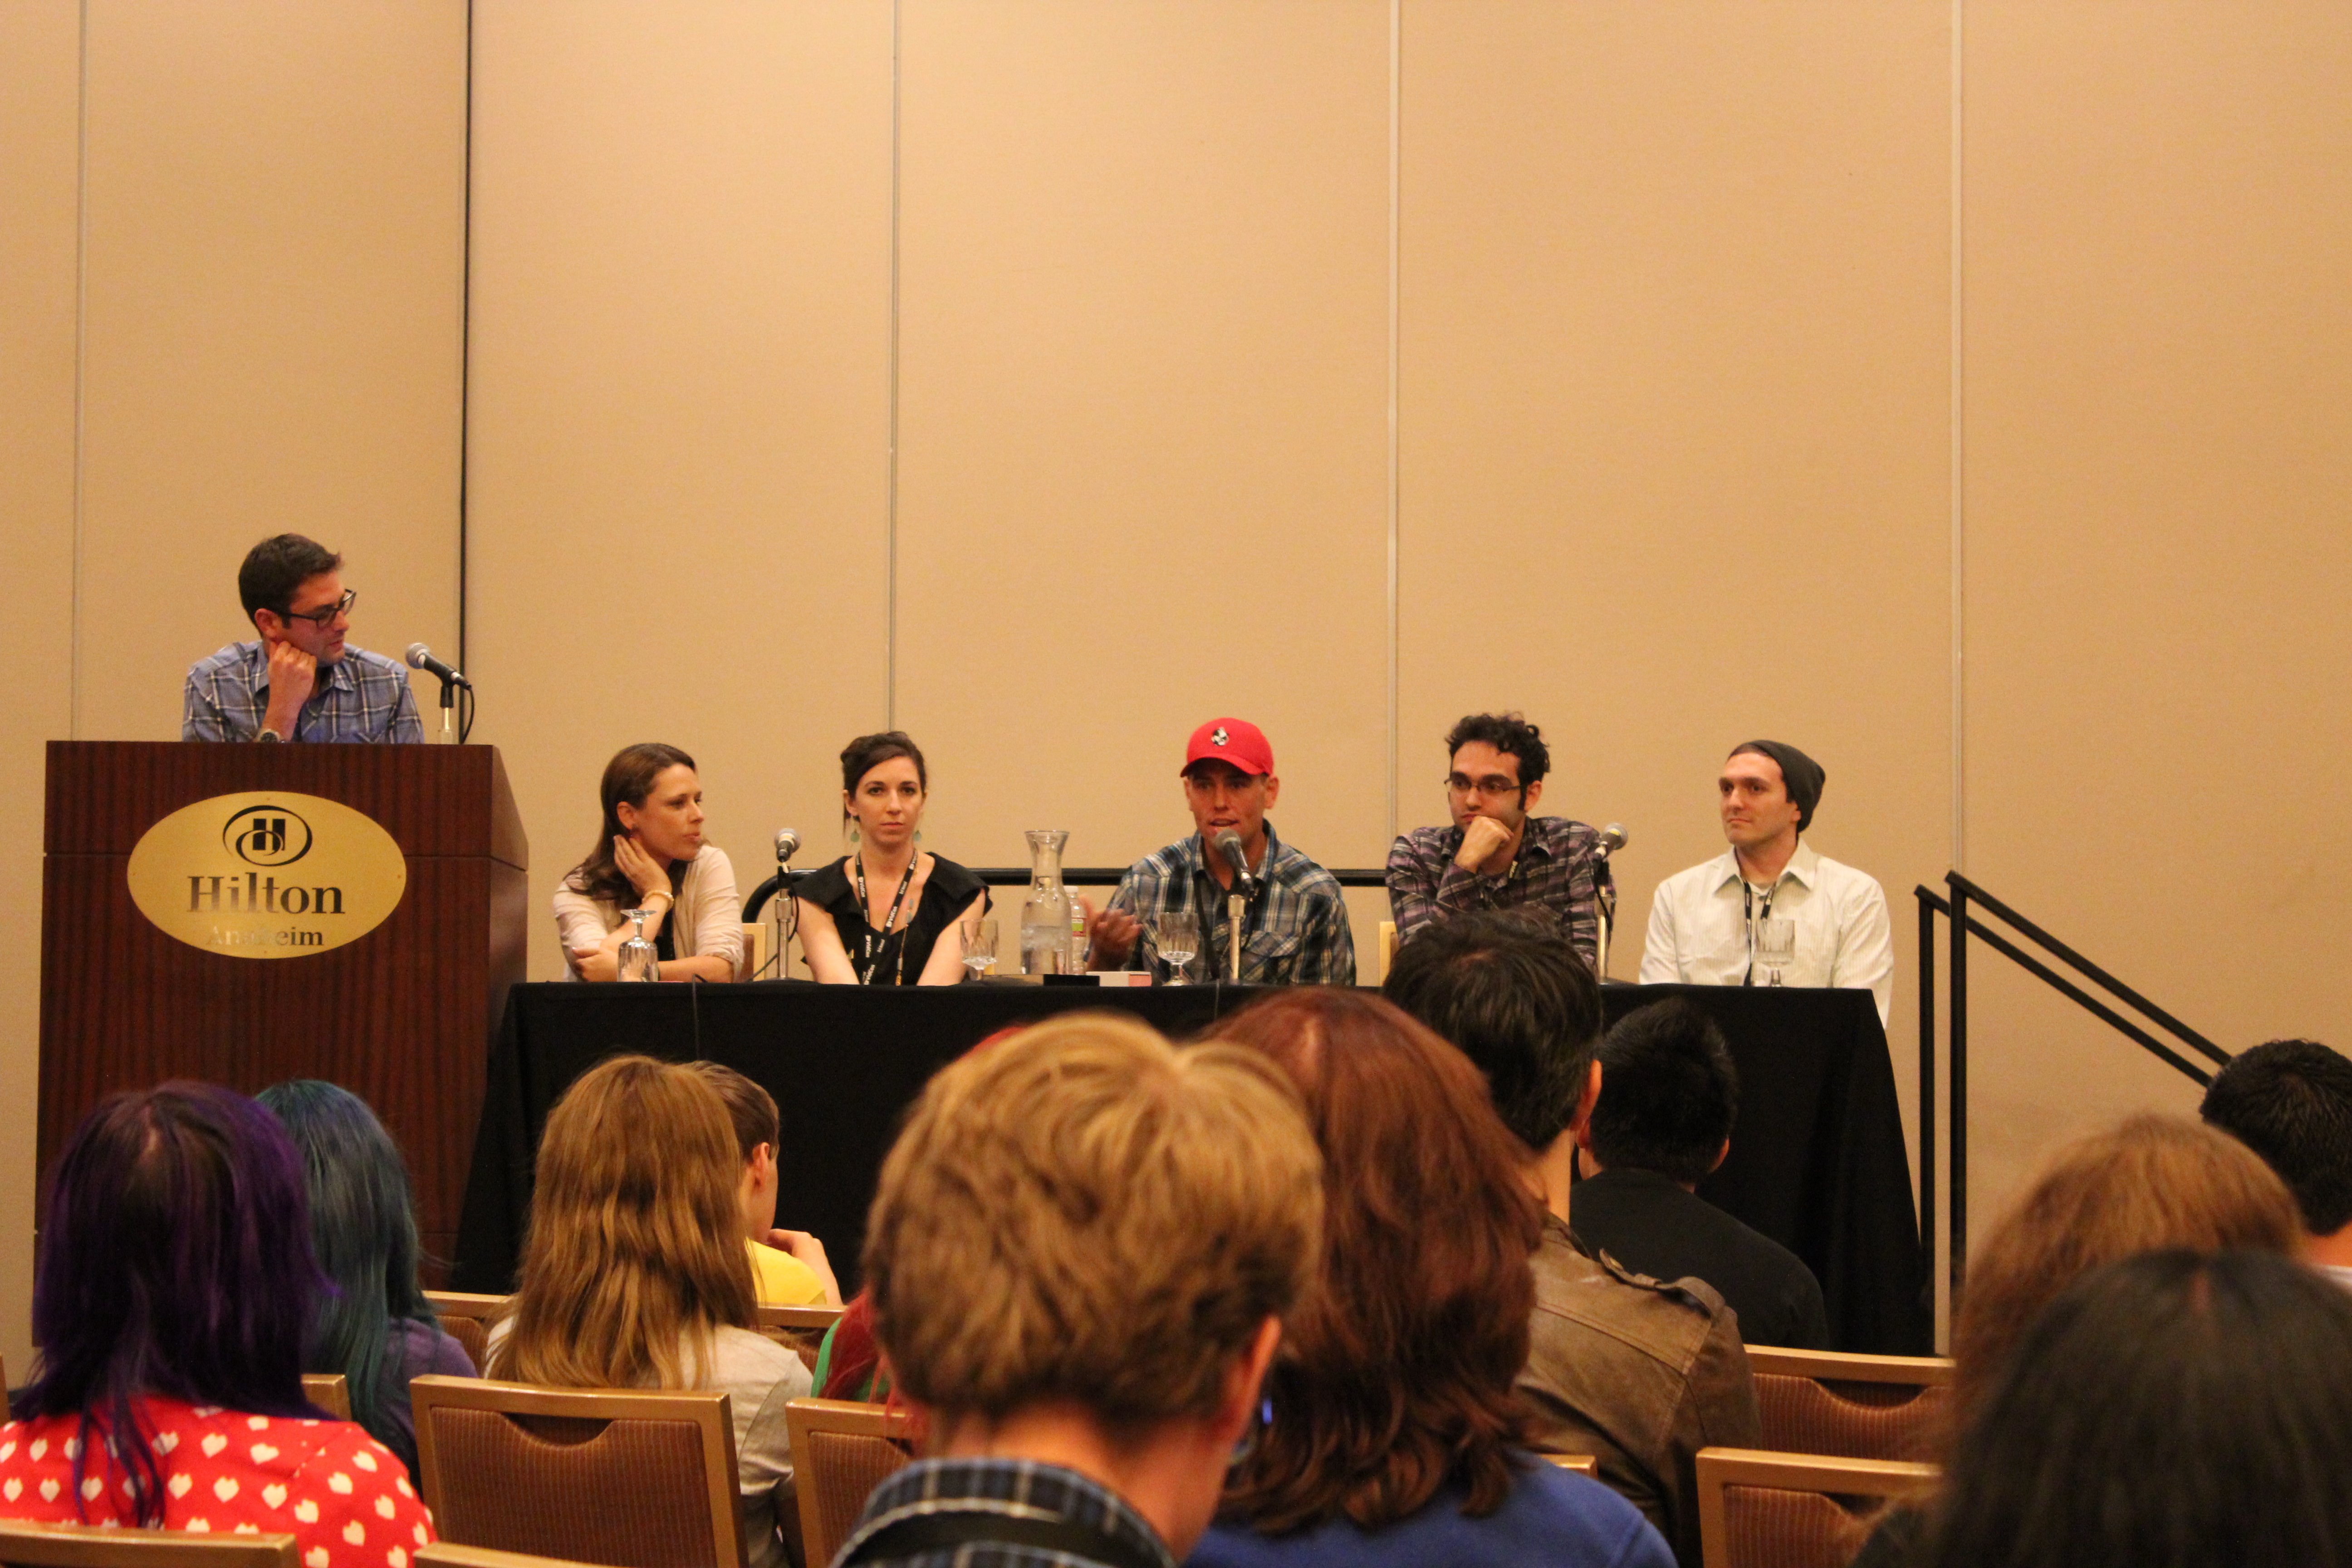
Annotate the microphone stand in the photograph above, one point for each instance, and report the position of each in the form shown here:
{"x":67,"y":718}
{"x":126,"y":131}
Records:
{"x":1236,"y":911}
{"x":448,"y":705}
{"x":1605,"y":906}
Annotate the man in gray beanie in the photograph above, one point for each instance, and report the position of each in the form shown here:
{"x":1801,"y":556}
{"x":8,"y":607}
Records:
{"x":1771,"y":910}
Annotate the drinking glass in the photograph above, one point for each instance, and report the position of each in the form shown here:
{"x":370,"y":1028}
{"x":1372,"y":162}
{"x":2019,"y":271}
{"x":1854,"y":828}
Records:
{"x":1178,"y":936}
{"x":1776,"y":946}
{"x":639,"y":959}
{"x":979,"y":944}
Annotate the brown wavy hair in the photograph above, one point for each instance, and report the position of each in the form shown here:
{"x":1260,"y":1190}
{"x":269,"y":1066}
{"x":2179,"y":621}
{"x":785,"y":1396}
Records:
{"x":629,"y":776}
{"x":635,"y":1253}
{"x":2153,"y":1182}
{"x":1396,"y":1372}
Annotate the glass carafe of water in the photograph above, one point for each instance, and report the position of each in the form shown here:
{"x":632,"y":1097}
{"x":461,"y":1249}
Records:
{"x":1046,"y":916}
{"x":640,"y":960}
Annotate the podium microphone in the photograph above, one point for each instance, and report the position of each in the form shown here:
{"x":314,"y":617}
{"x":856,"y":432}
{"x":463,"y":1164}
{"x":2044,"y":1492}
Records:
{"x":421,"y":658}
{"x":787,"y":843}
{"x":1229,"y":844}
{"x":1612,"y":840}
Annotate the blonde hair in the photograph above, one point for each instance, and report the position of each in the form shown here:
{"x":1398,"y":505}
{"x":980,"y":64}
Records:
{"x":1084,"y":1212}
{"x":635,"y":1252}
{"x":2154,"y":1182}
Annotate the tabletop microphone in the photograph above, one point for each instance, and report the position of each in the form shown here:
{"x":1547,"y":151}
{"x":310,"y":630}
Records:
{"x":1229,"y":844}
{"x":787,"y":843}
{"x":1612,"y":840}
{"x":421,"y":658}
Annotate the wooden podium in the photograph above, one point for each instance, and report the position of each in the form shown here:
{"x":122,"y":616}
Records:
{"x":401,"y":1016}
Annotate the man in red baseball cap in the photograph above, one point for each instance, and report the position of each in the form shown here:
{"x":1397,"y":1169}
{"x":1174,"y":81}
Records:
{"x":1294,"y":926}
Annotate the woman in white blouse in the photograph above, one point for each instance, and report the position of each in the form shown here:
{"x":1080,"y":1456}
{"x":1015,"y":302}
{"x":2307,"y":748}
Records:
{"x":651,"y":856}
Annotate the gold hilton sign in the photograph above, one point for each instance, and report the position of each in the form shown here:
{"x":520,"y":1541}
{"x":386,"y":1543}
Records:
{"x":271,"y":875}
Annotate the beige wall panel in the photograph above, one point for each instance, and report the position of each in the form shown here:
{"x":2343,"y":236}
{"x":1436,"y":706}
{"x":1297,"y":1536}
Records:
{"x":1676,"y":416}
{"x":2160,"y":419}
{"x":276,"y":210}
{"x":1142,"y":447}
{"x":679,"y":406}
{"x":40,"y":47}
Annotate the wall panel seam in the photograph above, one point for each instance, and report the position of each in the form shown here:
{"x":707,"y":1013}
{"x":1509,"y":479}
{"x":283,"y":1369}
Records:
{"x":1396,"y":144}
{"x":466,"y":343}
{"x":1959,"y":523}
{"x":81,"y":340}
{"x":890,"y":503}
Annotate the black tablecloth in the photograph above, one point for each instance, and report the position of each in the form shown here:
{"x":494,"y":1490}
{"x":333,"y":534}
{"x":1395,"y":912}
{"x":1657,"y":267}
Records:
{"x":1817,"y":1162}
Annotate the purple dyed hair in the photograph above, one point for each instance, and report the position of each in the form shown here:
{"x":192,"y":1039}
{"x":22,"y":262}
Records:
{"x":174,"y":1259}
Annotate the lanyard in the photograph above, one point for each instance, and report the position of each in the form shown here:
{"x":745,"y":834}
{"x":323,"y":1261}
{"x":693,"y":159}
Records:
{"x":875,"y":941}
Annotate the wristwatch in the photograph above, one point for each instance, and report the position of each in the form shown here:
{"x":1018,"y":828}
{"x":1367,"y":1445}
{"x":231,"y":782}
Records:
{"x":266,"y":734}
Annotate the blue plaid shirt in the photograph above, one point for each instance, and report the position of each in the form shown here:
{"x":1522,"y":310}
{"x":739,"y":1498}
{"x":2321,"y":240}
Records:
{"x":361,"y":696}
{"x":1012,"y":1489}
{"x":1295,"y":930}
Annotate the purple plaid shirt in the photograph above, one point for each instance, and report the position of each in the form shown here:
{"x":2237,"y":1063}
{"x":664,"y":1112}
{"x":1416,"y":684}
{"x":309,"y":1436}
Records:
{"x":1555,"y":870}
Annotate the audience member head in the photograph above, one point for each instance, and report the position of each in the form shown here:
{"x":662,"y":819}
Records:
{"x":1512,"y":994}
{"x":1084,"y":1226}
{"x":2177,"y":1409}
{"x":1396,"y":1374}
{"x":635,"y":1249}
{"x":174,"y":1259}
{"x":2290,"y":1102}
{"x":363,"y":1231}
{"x":1669,"y":1095}
{"x":757,"y":1128}
{"x":2154,"y":1181}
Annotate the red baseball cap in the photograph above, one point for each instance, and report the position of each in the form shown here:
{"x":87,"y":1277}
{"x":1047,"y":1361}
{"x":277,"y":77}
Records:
{"x":1235,"y":741}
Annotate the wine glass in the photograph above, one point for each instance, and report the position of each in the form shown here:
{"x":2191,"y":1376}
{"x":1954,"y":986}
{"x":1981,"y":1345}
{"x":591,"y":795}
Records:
{"x":1776,"y":946}
{"x":1177,"y":934}
{"x":979,"y":945}
{"x":639,"y":959}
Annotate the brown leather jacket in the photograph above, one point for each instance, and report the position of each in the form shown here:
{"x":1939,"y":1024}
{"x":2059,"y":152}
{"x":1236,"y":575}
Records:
{"x":1640,"y":1374}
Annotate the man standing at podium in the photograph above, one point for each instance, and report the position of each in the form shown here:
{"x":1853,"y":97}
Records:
{"x":298,"y":680}
{"x":1705,"y":923}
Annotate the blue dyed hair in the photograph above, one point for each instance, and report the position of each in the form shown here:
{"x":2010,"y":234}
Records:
{"x":363,"y":1231}
{"x":174,"y":1259}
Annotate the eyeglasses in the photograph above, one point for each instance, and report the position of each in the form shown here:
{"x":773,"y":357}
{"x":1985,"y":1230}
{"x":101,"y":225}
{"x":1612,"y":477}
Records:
{"x":324,"y":618}
{"x":1492,"y":786}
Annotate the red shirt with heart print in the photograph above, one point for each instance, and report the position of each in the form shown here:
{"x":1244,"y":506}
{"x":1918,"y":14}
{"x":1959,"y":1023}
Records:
{"x":338,"y":1491}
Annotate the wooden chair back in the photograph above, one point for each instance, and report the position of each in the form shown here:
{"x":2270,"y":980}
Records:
{"x":24,"y":1544}
{"x":1387,"y":951}
{"x":630,"y":1478}
{"x":442,"y":1554}
{"x":330,"y":1391}
{"x":841,"y":1452}
{"x":1759,"y":1510}
{"x":1858,"y":1406}
{"x":466,"y":1318}
{"x":801,"y":1330}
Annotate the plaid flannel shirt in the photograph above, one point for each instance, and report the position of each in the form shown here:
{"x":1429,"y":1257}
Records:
{"x":1014,"y":1488}
{"x":1295,"y":930}
{"x":1556,"y":870}
{"x":361,"y":696}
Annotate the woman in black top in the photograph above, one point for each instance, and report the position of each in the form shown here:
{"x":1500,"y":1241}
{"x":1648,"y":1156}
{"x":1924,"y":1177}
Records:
{"x":875,"y":915}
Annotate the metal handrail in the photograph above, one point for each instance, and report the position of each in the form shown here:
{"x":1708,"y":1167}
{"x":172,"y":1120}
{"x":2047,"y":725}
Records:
{"x":1962,"y":925}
